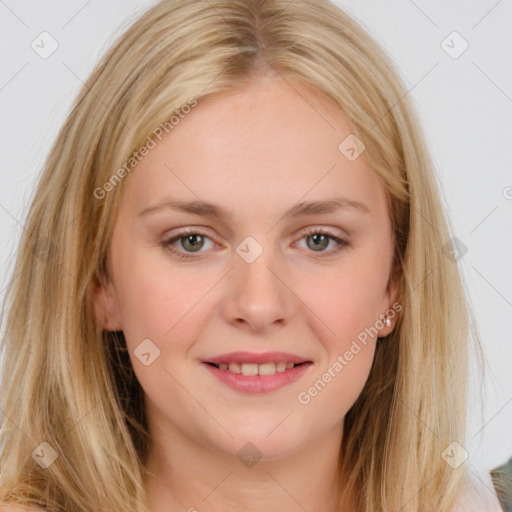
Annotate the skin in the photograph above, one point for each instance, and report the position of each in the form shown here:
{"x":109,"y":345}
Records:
{"x":257,"y":151}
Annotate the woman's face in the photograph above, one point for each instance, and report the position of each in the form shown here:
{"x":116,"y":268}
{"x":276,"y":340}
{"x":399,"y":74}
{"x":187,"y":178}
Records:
{"x":264,"y":275}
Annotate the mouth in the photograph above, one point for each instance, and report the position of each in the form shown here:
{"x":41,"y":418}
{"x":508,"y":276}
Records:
{"x":248,"y":369}
{"x":257,"y":377}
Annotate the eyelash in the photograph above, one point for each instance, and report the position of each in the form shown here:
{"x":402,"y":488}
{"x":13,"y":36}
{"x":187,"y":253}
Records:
{"x":167,"y":243}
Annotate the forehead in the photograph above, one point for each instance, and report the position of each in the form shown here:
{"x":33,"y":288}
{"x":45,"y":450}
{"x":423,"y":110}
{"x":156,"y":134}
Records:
{"x":263,"y":144}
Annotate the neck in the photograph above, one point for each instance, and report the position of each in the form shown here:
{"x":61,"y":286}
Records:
{"x":187,"y":476}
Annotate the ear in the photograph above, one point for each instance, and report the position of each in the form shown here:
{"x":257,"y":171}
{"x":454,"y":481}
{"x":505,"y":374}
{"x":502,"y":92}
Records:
{"x":390,"y":298}
{"x":105,"y":305}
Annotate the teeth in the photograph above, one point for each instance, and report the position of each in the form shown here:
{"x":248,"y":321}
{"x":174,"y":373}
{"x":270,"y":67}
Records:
{"x":235,"y":368}
{"x":267,"y":369}
{"x":249,"y":369}
{"x":281,"y":367}
{"x":256,"y":369}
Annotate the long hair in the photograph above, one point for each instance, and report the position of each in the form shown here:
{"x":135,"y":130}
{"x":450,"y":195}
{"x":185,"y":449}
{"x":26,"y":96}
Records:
{"x":74,"y":436}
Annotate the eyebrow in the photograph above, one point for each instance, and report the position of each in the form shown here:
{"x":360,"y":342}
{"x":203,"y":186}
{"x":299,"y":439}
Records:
{"x":300,"y":209}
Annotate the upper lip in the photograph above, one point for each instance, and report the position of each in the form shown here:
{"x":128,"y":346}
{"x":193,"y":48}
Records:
{"x":256,"y":358}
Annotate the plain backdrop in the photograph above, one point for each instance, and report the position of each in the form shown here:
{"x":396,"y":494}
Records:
{"x":456,"y":60}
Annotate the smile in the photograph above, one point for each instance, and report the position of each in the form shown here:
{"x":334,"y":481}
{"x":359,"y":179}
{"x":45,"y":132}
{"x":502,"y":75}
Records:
{"x":257,"y":378}
{"x":255,"y":369}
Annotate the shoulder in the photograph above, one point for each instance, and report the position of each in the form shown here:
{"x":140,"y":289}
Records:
{"x":479,"y":495}
{"x":479,"y":506}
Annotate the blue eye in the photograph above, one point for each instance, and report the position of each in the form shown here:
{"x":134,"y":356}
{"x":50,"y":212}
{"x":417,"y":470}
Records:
{"x":321,"y":238}
{"x":192,"y":240}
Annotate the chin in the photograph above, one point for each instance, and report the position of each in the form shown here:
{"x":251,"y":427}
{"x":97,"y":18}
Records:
{"x":265,"y":441}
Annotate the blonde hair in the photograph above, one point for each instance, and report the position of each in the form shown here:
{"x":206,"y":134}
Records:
{"x":70,"y":384}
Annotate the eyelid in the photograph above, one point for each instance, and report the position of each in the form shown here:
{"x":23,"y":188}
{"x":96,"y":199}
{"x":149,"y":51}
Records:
{"x":189,"y":230}
{"x":338,"y":238}
{"x":205,"y":231}
{"x":335,"y":232}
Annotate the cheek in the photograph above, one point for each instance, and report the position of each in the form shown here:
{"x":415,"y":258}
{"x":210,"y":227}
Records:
{"x":339,"y":380}
{"x":156,"y":301}
{"x":164,"y":307}
{"x":346,"y":305}
{"x":339,"y":386}
{"x":347,"y":299}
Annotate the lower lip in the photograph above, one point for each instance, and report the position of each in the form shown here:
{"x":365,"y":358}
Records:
{"x":258,"y":383}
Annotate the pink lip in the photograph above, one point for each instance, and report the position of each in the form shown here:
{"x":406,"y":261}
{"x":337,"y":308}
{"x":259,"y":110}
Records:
{"x":253,"y":357}
{"x":259,"y":383}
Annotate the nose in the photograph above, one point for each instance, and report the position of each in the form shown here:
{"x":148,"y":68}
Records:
{"x":257,"y":297}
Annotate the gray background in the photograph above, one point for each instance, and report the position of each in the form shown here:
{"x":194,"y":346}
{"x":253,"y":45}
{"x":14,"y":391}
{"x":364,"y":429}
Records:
{"x":465,"y":105}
